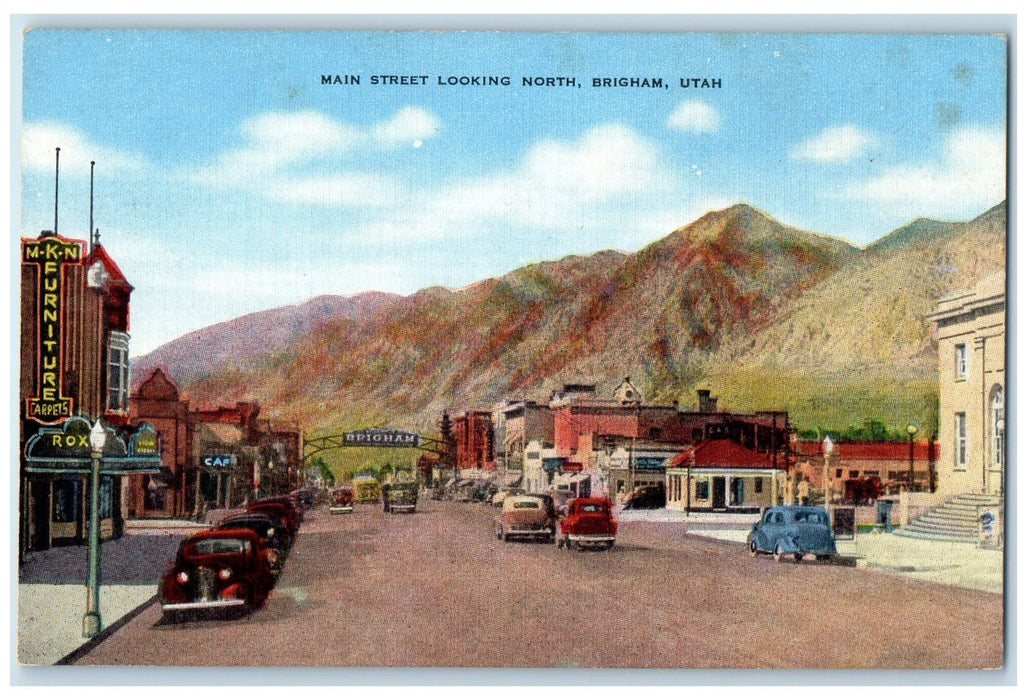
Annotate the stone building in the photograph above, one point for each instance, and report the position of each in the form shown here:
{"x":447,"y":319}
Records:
{"x":971,"y":327}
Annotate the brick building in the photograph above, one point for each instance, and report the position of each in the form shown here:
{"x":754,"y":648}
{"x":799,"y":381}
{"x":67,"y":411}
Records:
{"x":73,"y":372}
{"x":158,"y":401}
{"x":475,"y":440}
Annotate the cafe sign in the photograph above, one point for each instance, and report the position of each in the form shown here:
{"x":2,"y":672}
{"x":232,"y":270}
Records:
{"x":381,"y":437}
{"x":51,"y":254}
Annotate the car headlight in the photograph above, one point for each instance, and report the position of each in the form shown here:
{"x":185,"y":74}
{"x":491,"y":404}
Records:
{"x":270,"y":532}
{"x":225,"y":574}
{"x":182,"y":577}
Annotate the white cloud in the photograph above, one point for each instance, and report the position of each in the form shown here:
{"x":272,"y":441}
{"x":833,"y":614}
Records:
{"x":609,"y":173}
{"x":277,"y":146}
{"x":39,"y":140}
{"x":835,"y":144}
{"x":408,"y":125}
{"x":695,"y":117}
{"x":969,"y":175}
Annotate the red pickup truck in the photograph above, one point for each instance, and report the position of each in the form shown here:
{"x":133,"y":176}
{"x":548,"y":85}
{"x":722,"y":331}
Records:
{"x":589,"y":524}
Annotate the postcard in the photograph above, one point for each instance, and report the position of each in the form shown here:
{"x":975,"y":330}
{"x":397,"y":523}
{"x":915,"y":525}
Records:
{"x":512,"y":350}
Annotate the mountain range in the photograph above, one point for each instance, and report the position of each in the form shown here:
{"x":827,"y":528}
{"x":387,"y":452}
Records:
{"x":765,"y":315}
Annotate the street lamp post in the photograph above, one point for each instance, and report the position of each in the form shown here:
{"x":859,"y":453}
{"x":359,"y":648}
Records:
{"x":828,"y":445}
{"x":911,"y":430}
{"x":92,"y":625}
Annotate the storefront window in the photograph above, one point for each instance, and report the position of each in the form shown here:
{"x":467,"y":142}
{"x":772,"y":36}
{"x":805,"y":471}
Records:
{"x":106,"y":497}
{"x":65,"y":500}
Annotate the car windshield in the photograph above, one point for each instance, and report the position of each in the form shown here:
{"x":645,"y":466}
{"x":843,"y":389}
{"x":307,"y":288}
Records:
{"x":221,"y":546}
{"x":591,"y":508}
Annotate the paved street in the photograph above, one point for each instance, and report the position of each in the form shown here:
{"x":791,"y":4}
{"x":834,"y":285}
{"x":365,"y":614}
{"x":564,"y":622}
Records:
{"x":436,"y":589}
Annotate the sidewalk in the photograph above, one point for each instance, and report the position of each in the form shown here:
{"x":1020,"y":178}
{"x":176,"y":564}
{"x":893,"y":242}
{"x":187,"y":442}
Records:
{"x":52,"y":587}
{"x":951,"y":563}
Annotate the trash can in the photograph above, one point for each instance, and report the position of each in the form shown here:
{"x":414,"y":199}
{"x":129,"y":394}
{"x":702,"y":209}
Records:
{"x":884,"y":515}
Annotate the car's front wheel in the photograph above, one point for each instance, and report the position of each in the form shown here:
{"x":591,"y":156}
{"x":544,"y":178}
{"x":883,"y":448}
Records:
{"x":779,"y":552}
{"x":753,"y":550}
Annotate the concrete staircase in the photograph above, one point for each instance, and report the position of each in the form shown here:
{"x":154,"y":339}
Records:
{"x":955,"y":520}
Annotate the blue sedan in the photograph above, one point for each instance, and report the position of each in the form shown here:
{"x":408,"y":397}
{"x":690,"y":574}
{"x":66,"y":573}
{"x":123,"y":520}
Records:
{"x":795,"y":530}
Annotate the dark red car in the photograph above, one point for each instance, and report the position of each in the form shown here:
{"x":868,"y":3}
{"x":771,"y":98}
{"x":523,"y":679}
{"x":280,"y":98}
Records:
{"x":589,"y":523}
{"x":276,"y":542}
{"x":217,"y":570}
{"x":281,"y":512}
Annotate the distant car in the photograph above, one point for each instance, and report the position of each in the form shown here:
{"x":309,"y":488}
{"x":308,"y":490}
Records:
{"x":217,"y":570}
{"x":342,"y":501}
{"x":793,"y":530}
{"x":400,"y":497}
{"x":589,"y":523}
{"x":276,"y":542}
{"x":526,"y":516}
{"x":649,"y":496}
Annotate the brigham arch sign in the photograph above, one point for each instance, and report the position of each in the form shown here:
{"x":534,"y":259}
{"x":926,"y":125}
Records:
{"x":372,"y":437}
{"x":381,"y":437}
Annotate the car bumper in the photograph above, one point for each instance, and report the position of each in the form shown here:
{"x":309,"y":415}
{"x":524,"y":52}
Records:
{"x":532,"y":532}
{"x":408,"y":508}
{"x":591,"y":539}
{"x":335,"y":510}
{"x":203,"y":605}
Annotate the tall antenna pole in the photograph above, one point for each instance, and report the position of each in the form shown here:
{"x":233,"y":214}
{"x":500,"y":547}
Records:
{"x":92,"y":237}
{"x":56,"y":188}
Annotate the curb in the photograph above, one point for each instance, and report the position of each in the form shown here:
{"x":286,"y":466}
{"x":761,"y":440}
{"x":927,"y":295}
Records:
{"x":91,"y":644}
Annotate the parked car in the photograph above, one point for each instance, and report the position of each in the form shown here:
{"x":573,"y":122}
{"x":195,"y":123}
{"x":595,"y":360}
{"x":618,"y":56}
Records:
{"x":284,"y":515}
{"x":276,"y":542}
{"x":290,"y":502}
{"x":342,"y":501}
{"x":502,"y":494}
{"x":589,"y":523}
{"x":649,"y":496}
{"x":305,"y":497}
{"x":526,"y":516}
{"x":795,"y":530}
{"x":400,"y":497}
{"x":217,"y":570}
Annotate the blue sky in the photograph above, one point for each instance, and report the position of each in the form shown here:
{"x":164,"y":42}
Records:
{"x":229,"y":180}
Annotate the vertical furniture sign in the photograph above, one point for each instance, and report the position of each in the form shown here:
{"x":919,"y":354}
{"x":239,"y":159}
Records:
{"x":51,"y":254}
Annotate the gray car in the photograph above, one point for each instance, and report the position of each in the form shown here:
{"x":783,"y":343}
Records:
{"x":793,"y":530}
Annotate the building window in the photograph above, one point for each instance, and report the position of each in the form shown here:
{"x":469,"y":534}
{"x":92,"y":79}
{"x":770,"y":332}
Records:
{"x":962,"y":361}
{"x":960,"y":446}
{"x":65,"y":501}
{"x":654,"y":433}
{"x":758,"y":485}
{"x":998,"y":426}
{"x":702,"y":490}
{"x":117,"y":372}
